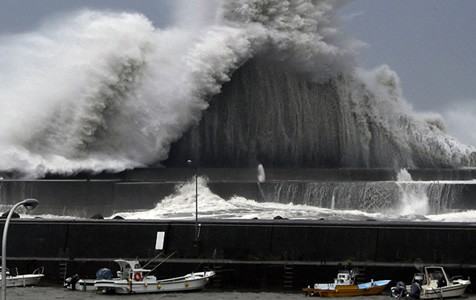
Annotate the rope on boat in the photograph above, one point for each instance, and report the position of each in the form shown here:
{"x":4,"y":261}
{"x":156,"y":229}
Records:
{"x":160,"y":254}
{"x":161,"y":262}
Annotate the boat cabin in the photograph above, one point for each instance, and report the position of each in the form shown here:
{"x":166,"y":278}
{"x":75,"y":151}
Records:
{"x":436,"y":277}
{"x":344,"y":278}
{"x":130,"y":269}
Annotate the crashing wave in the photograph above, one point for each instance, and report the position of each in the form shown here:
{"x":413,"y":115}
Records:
{"x":102,"y":91}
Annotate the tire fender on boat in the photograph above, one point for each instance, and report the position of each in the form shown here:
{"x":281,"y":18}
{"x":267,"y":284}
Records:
{"x":137,"y":276}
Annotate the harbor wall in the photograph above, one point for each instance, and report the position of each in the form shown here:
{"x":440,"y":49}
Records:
{"x":247,"y":253}
{"x":86,"y":198}
{"x":141,"y":189}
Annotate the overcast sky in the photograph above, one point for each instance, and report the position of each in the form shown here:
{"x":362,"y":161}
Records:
{"x":429,"y":43}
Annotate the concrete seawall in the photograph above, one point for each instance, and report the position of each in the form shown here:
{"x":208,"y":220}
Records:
{"x":141,"y":189}
{"x":85,"y":198}
{"x":247,"y":254}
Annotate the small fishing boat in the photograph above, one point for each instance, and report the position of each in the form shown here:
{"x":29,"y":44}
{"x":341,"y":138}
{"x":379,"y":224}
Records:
{"x":133,"y":279}
{"x":432,"y":283}
{"x":15,"y":279}
{"x":345,"y":286}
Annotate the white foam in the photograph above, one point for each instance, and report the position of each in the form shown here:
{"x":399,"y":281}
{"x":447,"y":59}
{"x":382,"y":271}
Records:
{"x":98,"y":91}
{"x":181,"y":205}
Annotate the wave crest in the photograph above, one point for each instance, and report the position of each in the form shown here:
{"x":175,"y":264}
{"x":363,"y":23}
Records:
{"x":102,"y":91}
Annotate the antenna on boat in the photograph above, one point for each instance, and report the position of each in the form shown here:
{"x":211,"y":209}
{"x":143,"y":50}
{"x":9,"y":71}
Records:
{"x":161,"y":262}
{"x":418,"y":264}
{"x":160,"y":254}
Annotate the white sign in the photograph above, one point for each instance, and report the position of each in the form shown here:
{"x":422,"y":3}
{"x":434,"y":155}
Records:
{"x":159,"y":242}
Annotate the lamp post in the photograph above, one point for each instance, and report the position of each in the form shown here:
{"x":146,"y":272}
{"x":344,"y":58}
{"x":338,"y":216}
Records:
{"x":29,"y":204}
{"x":190,"y":163}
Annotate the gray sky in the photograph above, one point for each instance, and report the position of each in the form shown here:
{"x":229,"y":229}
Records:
{"x":26,"y":15}
{"x":429,"y":43}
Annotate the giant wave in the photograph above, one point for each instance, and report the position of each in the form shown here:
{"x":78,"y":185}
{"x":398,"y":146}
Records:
{"x":268,"y":81}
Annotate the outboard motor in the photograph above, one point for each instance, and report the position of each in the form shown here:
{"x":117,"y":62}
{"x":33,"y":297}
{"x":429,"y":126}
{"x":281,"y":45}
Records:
{"x":399,"y":290}
{"x":415,"y":288}
{"x":71,"y":281}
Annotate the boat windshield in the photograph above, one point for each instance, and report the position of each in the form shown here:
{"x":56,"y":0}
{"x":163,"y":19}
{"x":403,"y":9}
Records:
{"x":435,"y":274}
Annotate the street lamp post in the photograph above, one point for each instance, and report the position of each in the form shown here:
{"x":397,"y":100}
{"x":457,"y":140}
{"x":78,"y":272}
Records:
{"x":190,"y":163}
{"x":29,"y":204}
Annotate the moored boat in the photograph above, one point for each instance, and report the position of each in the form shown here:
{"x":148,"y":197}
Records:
{"x":432,"y":283}
{"x":345,"y":286}
{"x":133,"y":279}
{"x":23,"y":279}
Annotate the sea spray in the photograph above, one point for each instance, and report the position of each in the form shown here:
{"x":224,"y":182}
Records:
{"x":98,"y":91}
{"x":269,"y":115}
{"x":427,"y":197}
{"x":374,"y":201}
{"x":413,"y":199}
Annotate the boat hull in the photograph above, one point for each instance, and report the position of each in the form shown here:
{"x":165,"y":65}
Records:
{"x":366,"y":289}
{"x":345,"y":291}
{"x":84,"y":285}
{"x":444,"y":292}
{"x":189,"y":282}
{"x":23,"y":280}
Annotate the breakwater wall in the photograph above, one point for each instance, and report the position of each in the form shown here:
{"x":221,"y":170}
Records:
{"x":86,"y":198}
{"x":141,"y":189}
{"x":249,"y":254}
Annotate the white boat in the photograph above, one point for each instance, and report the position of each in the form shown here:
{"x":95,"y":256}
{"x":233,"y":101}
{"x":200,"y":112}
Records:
{"x":437,"y":285}
{"x":433,"y":283}
{"x":133,"y":279}
{"x":74,"y":283}
{"x":23,"y":279}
